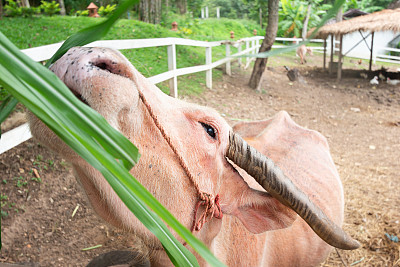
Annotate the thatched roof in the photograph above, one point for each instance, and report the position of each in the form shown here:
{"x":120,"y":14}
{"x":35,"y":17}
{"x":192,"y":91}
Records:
{"x":385,"y":20}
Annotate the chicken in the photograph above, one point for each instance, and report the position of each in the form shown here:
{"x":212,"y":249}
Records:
{"x":374,"y":80}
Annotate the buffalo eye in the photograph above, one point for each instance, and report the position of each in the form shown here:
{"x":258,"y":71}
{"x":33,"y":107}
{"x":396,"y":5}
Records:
{"x":209,"y":130}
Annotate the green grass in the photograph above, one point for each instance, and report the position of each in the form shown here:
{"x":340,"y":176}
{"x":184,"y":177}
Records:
{"x":38,"y":31}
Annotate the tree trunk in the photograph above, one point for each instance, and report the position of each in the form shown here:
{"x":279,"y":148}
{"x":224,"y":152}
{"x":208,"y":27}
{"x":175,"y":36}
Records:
{"x":150,"y":11}
{"x":305,"y":24}
{"x":1,"y":9}
{"x":25,"y":3}
{"x":62,"y":7}
{"x":339,"y":17}
{"x":260,"y":16}
{"x":158,"y":12}
{"x":144,"y":10}
{"x":182,"y":6}
{"x":272,"y":28}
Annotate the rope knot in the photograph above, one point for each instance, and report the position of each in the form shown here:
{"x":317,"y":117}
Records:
{"x":211,"y":203}
{"x":212,"y":209}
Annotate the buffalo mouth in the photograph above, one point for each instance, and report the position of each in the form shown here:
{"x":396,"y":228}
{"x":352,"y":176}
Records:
{"x":79,"y":96}
{"x":101,"y":66}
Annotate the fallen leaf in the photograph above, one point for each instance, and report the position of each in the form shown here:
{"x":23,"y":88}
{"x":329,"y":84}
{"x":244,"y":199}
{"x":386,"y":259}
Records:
{"x":36,"y":173}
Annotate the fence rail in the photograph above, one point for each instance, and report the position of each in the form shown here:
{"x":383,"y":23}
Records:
{"x":20,"y":134}
{"x":387,"y":58}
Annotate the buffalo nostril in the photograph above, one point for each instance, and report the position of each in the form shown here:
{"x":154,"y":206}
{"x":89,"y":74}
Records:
{"x":103,"y":66}
{"x":108,"y":65}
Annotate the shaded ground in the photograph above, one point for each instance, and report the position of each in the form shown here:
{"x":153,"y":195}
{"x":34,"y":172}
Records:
{"x":48,"y":220}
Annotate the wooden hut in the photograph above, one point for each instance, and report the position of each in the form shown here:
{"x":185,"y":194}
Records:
{"x":385,"y":20}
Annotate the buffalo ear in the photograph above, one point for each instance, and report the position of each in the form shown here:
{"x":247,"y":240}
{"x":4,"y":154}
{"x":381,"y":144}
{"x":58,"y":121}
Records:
{"x":263,"y":213}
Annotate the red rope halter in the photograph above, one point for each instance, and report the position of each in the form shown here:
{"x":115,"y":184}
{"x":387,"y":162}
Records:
{"x":212,"y":208}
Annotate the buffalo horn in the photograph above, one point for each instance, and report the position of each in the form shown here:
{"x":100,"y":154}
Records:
{"x":276,"y":183}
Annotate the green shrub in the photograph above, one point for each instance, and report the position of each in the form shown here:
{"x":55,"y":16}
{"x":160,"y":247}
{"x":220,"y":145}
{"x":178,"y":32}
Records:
{"x":28,"y":12}
{"x":50,"y":8}
{"x":11,"y":9}
{"x":105,"y":11}
{"x":83,"y":13}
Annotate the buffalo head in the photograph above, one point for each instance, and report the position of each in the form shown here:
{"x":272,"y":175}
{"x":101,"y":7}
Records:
{"x":190,"y":155}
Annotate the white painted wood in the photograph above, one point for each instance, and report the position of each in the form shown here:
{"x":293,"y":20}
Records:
{"x":161,"y":77}
{"x":228,"y":63}
{"x":209,"y":71}
{"x":132,"y":43}
{"x":45,"y":52}
{"x":42,"y":53}
{"x":173,"y":83}
{"x":181,"y":41}
{"x":194,"y":69}
{"x":247,"y":49}
{"x":385,"y":60}
{"x":240,"y":59}
{"x":14,"y":137}
{"x":388,"y":48}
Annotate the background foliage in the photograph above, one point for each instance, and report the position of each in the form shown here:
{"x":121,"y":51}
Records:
{"x":292,"y":11}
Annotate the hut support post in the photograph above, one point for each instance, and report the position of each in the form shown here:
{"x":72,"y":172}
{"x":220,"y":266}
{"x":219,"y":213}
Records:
{"x":325,"y":54}
{"x":332,"y":52}
{"x":339,"y":72}
{"x":372,"y":49}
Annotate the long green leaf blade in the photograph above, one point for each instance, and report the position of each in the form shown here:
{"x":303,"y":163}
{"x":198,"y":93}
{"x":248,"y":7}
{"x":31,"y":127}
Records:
{"x":93,"y":33}
{"x":39,"y":77}
{"x":29,"y":77}
{"x":86,"y":147}
{"x":7,"y":107}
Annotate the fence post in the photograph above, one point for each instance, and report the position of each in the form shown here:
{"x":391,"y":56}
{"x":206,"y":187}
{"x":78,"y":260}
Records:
{"x":372,"y":57}
{"x":173,"y":82}
{"x":228,"y":64}
{"x":240,"y":50}
{"x":247,"y":47}
{"x":257,"y":46}
{"x":209,"y":71}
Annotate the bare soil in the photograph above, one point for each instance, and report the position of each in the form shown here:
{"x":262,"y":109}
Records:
{"x":48,"y":221}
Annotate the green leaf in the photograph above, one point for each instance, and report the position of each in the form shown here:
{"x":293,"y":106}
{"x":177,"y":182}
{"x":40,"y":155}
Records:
{"x":92,"y":33}
{"x":89,"y":134}
{"x":7,"y":107}
{"x":78,"y":137}
{"x":40,"y":77}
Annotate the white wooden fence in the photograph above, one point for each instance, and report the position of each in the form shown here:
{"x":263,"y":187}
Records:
{"x":22,"y":133}
{"x":386,"y":58}
{"x":381,"y":57}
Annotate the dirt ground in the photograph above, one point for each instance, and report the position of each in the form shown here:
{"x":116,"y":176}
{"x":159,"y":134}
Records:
{"x":46,"y":219}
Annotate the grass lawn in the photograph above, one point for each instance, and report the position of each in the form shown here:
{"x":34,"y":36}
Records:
{"x":38,"y":31}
